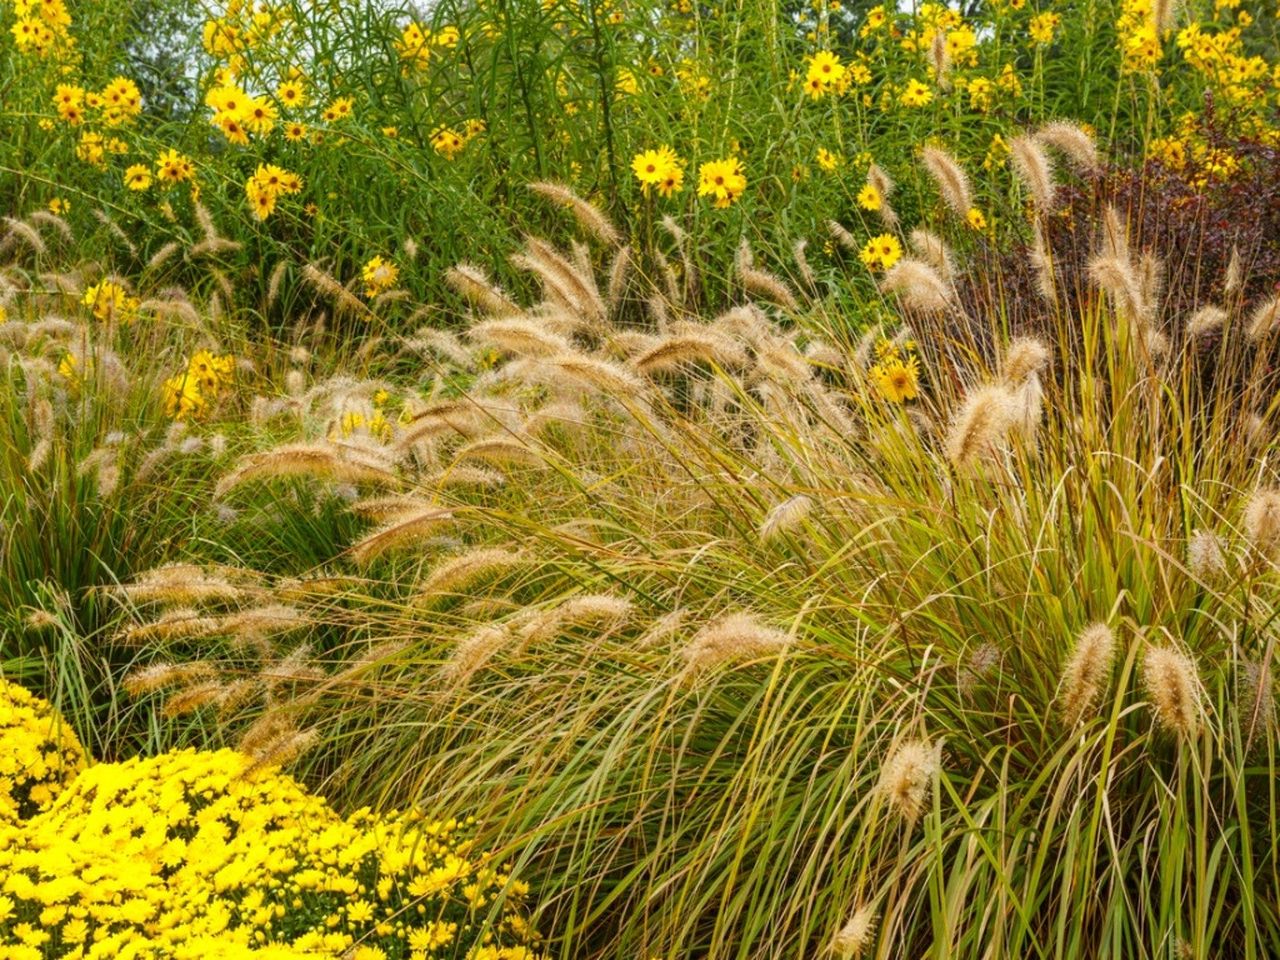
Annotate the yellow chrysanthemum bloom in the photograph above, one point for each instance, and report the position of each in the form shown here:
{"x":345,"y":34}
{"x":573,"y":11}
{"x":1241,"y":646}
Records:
{"x":39,"y":754}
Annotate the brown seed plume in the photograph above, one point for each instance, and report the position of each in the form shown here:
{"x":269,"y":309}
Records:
{"x":1034,"y":169}
{"x":853,"y":939}
{"x":1074,"y":142}
{"x":952,"y":181}
{"x":1264,"y":319}
{"x":1262,"y":521}
{"x":917,"y":285}
{"x":981,"y":428}
{"x":474,"y":285}
{"x":1086,"y":672}
{"x":1173,"y":687}
{"x":400,"y":533}
{"x":590,"y":217}
{"x":732,"y":639}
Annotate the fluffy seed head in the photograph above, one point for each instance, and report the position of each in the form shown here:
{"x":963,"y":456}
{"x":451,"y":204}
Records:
{"x":1262,"y":521}
{"x":1026,"y":357}
{"x":785,"y":517}
{"x":907,"y":775}
{"x":1173,"y":687}
{"x":1086,"y":671}
{"x":981,"y":428}
{"x":1206,"y":558}
{"x":1074,"y":142}
{"x":732,"y":639}
{"x":917,"y":285}
{"x":858,"y":932}
{"x":1205,"y":321}
{"x":1264,"y":319}
{"x":589,"y":216}
{"x":1034,"y":168}
{"x":952,"y":181}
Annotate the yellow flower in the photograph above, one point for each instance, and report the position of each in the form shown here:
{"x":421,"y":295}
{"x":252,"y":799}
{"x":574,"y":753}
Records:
{"x":869,"y":198}
{"x":723,"y":180}
{"x":378,"y":275}
{"x":448,"y":142}
{"x":339,"y":109}
{"x":896,"y":379}
{"x":108,"y":301}
{"x":976,"y":219}
{"x":881,"y":252}
{"x":172,"y":167}
{"x":181,"y":396}
{"x":1042,"y":27}
{"x":137,"y":177}
{"x":824,"y":73}
{"x":915,"y":94}
{"x":827,"y":160}
{"x":291,"y":94}
{"x":59,"y":205}
{"x":660,"y":168}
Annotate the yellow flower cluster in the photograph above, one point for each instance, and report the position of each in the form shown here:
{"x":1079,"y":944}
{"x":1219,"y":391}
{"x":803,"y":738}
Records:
{"x":378,"y":275}
{"x":108,"y":301}
{"x":39,"y":753}
{"x":662,"y":169}
{"x":267,"y":185}
{"x":237,"y":114}
{"x":118,"y":103}
{"x":1140,"y":45}
{"x":42,"y":27}
{"x":194,"y":854}
{"x":416,"y":42}
{"x":188,"y":393}
{"x":722,"y":180}
{"x":896,"y":372}
{"x":1239,"y":79}
{"x":881,"y":252}
{"x":449,"y":142}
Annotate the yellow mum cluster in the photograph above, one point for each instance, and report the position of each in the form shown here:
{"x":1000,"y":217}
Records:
{"x":378,"y":275}
{"x":188,"y":393}
{"x":881,"y":252}
{"x":39,"y":753}
{"x":243,"y":27}
{"x":197,"y":854}
{"x":1140,"y":44}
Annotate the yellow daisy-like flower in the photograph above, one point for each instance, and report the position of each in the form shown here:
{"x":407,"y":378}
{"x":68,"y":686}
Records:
{"x":976,"y":219}
{"x":723,"y":180}
{"x":915,"y":94}
{"x":378,"y":275}
{"x":881,"y":252}
{"x":827,"y":160}
{"x":897,"y":380}
{"x":137,"y":177}
{"x":291,"y":94}
{"x":869,"y":198}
